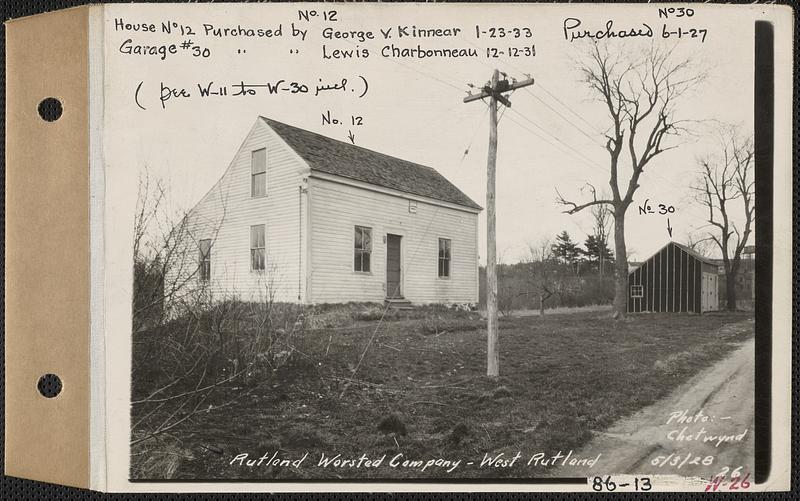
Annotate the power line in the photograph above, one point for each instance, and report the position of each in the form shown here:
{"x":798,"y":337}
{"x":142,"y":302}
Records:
{"x":591,"y":126}
{"x":389,"y":304}
{"x":593,"y":139}
{"x":517,"y":68}
{"x":576,"y":152}
{"x":540,"y":136}
{"x":567,"y":107}
{"x":472,"y":139}
{"x":505,"y":107}
{"x":571,"y":151}
{"x":428,"y":75}
{"x":654,"y":173}
{"x":449,"y":84}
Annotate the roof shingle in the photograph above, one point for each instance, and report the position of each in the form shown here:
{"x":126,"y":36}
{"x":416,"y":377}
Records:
{"x":338,"y":158}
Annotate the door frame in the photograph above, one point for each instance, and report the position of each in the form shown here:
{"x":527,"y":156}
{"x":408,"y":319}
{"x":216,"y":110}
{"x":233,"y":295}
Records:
{"x":402,"y":249}
{"x":709,"y":292}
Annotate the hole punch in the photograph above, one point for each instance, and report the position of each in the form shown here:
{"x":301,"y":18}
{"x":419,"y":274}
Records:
{"x":49,"y":385}
{"x":50,"y":109}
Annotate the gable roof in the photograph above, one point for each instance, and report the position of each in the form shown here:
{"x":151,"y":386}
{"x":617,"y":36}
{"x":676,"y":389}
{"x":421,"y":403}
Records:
{"x":682,"y":247}
{"x":694,"y":254}
{"x":338,"y":158}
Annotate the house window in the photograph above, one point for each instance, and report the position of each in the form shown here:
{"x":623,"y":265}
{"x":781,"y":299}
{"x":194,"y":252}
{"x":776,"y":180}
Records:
{"x":258,"y":173}
{"x":444,"y":258}
{"x":205,"y":260}
{"x":362,"y":249}
{"x":257,"y":248}
{"x":637,"y":291}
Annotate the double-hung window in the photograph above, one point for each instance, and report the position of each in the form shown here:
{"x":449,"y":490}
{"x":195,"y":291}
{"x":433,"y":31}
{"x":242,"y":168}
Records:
{"x":257,"y":248}
{"x":637,"y":291}
{"x":205,"y":259}
{"x":258,"y":173}
{"x":444,"y":257}
{"x":362,"y":249}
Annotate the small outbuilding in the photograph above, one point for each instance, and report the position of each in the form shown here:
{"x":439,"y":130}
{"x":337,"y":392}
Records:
{"x":675,"y":279}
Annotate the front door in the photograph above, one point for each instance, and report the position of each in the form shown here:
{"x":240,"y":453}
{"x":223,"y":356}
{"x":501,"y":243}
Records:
{"x":393,"y":260}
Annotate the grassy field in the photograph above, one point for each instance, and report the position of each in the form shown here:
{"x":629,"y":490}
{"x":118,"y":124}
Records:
{"x":420,"y":391}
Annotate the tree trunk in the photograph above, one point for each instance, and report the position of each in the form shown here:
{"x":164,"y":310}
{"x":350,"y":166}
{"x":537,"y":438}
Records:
{"x":730,"y":287}
{"x":541,"y":305}
{"x":621,"y":264}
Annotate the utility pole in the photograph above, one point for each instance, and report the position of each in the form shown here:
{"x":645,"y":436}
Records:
{"x":493,"y":90}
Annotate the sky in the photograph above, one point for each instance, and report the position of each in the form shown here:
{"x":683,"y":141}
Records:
{"x":548,"y":140}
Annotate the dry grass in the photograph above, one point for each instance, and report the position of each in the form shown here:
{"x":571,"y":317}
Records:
{"x":420,"y":389}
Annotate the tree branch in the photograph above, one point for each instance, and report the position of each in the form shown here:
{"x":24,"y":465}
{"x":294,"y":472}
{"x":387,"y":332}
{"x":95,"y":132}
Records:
{"x":576,"y":207}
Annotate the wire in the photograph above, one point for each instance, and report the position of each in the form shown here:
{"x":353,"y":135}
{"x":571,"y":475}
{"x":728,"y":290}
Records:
{"x":505,"y":107}
{"x":472,"y":139}
{"x":428,"y":75}
{"x":591,"y":138}
{"x":501,"y":115}
{"x":578,"y":154}
{"x":449,"y":84}
{"x":591,"y":126}
{"x":567,"y":107}
{"x":570,"y":149}
{"x":389,"y":304}
{"x":540,"y":136}
{"x":579,"y":129}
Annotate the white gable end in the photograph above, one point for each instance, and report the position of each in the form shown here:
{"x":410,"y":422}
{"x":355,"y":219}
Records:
{"x":230,"y":209}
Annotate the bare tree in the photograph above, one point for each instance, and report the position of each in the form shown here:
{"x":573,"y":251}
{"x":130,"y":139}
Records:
{"x":726,"y":180}
{"x":165,"y":251}
{"x":699,"y":243}
{"x":640,"y":96}
{"x":196,"y":348}
{"x":543,"y":274}
{"x":175,"y":369}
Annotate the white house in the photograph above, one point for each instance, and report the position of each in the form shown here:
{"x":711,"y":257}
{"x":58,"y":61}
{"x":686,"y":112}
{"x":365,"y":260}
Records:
{"x":305,"y":218}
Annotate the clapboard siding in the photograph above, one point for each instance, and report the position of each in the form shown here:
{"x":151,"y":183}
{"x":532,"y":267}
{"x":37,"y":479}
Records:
{"x":336,"y":209}
{"x":228,"y":211}
{"x":309,"y":227}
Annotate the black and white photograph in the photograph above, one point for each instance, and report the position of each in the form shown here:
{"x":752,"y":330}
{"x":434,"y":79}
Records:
{"x":450,"y":244}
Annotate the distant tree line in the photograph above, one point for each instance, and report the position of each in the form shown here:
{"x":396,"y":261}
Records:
{"x":583,"y":261}
{"x":558,"y":272}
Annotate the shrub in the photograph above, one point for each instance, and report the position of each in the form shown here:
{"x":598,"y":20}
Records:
{"x":459,"y":432}
{"x":392,"y":424}
{"x":148,"y":293}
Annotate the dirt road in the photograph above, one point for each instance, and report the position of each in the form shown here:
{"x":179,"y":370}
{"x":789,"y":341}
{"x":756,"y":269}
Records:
{"x":703,"y":427}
